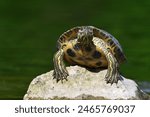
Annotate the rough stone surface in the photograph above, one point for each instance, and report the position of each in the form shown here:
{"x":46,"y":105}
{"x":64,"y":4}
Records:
{"x":82,"y":84}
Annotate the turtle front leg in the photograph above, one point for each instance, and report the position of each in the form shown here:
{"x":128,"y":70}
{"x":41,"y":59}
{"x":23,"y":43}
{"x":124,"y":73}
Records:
{"x":60,"y":72}
{"x":113,"y":74}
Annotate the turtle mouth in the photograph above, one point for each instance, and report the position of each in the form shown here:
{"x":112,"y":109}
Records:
{"x":85,"y":41}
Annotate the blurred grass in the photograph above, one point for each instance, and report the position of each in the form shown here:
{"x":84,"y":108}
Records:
{"x":29,"y":31}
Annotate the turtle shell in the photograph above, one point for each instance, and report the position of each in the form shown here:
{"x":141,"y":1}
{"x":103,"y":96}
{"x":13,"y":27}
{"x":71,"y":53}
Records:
{"x":111,"y":41}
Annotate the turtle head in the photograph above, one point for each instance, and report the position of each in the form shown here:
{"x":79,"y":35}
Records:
{"x":85,"y":36}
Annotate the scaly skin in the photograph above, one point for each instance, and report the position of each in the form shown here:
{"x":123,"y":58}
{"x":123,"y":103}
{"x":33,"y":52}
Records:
{"x":60,"y":72}
{"x":113,"y":74}
{"x":90,"y":47}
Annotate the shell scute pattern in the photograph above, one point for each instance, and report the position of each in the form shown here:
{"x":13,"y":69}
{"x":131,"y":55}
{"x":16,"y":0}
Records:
{"x":113,"y":43}
{"x":68,"y":35}
{"x":89,"y":47}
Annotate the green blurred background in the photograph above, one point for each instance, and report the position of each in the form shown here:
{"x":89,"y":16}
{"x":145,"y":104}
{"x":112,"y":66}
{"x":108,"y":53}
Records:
{"x":29,"y":30}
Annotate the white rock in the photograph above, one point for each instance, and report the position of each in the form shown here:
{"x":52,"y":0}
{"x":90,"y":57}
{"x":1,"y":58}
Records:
{"x":82,"y":84}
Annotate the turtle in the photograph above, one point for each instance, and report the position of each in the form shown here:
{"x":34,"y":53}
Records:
{"x":89,"y":47}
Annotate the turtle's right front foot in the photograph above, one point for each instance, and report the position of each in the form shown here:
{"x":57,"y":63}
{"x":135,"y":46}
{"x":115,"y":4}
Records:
{"x":60,"y":76}
{"x":60,"y":72}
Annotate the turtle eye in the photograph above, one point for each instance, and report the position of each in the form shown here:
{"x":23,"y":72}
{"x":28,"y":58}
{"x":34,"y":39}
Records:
{"x":80,"y":34}
{"x":91,"y":33}
{"x":81,"y":31}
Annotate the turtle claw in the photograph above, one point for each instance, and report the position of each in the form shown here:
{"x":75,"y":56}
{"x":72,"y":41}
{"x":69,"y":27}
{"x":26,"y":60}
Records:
{"x":60,"y":76}
{"x":112,"y":77}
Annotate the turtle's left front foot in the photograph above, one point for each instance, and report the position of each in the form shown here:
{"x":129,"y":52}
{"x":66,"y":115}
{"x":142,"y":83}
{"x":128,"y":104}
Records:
{"x":113,"y":74}
{"x":59,"y":75}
